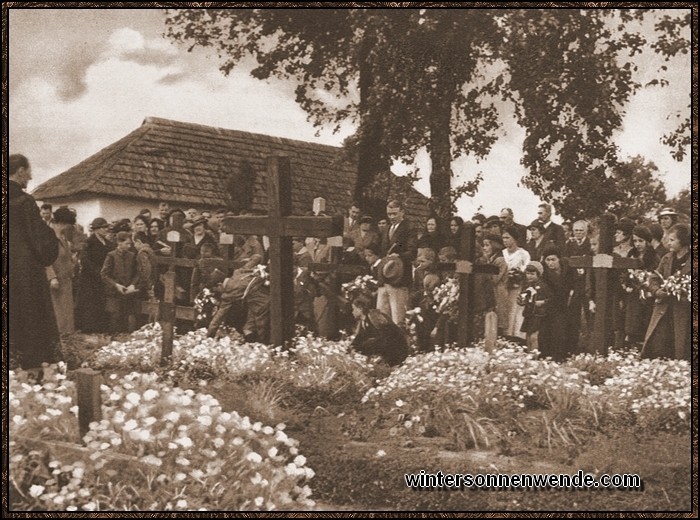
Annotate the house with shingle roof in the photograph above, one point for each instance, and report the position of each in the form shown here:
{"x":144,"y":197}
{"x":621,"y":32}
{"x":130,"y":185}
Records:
{"x":192,"y":165}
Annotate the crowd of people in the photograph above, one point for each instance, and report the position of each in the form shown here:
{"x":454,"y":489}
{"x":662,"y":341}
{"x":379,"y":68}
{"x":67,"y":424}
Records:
{"x":536,"y":297}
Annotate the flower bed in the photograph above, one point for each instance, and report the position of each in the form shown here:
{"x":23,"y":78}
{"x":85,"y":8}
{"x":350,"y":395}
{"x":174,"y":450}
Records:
{"x":182,"y":451}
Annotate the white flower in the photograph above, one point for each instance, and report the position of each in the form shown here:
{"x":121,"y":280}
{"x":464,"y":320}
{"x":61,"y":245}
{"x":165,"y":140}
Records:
{"x":150,"y":394}
{"x":254,"y":457}
{"x":381,"y":453}
{"x":300,"y":460}
{"x":400,"y":403}
{"x":36,"y":491}
{"x":181,"y":504}
{"x":130,"y":425}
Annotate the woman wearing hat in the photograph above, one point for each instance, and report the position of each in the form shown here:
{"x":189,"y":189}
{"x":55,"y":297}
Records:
{"x":91,"y":315}
{"x":60,"y":273}
{"x":556,"y":338}
{"x":638,"y":307}
{"x":516,"y":259}
{"x":669,"y":331}
{"x":668,"y":217}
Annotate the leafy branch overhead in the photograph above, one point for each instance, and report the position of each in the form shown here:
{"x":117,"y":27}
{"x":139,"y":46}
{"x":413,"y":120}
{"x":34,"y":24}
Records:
{"x":443,"y":80}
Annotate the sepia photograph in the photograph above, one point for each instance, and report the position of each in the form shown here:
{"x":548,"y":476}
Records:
{"x":372,"y":257}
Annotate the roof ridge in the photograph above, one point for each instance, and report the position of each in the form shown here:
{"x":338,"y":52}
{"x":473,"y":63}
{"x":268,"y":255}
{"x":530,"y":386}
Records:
{"x":286,"y":140}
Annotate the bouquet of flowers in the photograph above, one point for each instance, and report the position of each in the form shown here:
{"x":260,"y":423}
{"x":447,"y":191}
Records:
{"x":446,"y":298}
{"x":678,"y":286}
{"x":205,"y":305}
{"x":637,"y":281}
{"x":261,"y":272}
{"x":366,"y":285}
{"x":515,"y":278}
{"x":414,"y":319}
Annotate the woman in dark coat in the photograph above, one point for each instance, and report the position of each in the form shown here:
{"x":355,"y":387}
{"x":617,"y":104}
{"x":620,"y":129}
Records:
{"x":32,"y":333}
{"x":638,"y":309}
{"x":554,"y":338}
{"x":669,"y":331}
{"x":91,"y":314}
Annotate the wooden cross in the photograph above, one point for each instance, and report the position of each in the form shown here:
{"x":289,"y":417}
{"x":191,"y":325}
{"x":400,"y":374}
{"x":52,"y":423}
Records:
{"x":280,"y":227}
{"x":166,"y":310}
{"x":331,"y":289}
{"x":465,"y":267}
{"x":604,"y":265}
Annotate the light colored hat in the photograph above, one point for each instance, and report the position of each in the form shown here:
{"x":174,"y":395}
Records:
{"x":670,"y":212}
{"x":392,"y":270}
{"x":536,"y":266}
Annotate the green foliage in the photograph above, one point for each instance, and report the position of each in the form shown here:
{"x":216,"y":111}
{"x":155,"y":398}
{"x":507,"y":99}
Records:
{"x":415,"y":78}
{"x":637,"y":189}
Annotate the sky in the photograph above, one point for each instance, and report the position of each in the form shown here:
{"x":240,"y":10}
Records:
{"x":81,"y":79}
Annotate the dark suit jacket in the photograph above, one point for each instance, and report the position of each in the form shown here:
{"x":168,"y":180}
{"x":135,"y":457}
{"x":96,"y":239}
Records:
{"x":404,"y":243}
{"x":555,"y":233}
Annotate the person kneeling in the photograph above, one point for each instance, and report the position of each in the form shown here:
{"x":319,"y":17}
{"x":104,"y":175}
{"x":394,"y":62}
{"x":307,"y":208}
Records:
{"x":377,"y":334}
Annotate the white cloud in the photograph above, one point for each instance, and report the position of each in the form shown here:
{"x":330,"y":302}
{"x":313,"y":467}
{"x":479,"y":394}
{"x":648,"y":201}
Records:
{"x":126,"y":39}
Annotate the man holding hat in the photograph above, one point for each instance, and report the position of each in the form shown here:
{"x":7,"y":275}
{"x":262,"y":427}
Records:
{"x":91,"y":315}
{"x":398,"y":247}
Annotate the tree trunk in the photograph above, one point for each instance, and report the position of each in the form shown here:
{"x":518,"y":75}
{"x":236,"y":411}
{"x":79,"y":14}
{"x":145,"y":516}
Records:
{"x":371,"y":157}
{"x":440,"y":155}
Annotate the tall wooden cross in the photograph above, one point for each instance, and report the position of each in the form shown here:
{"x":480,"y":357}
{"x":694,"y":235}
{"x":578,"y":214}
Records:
{"x":604,"y":265}
{"x":280,"y":227}
{"x":465,"y":267}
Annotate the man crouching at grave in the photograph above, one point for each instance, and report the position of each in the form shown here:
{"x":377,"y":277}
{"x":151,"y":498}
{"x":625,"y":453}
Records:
{"x":376,"y":334}
{"x":247,"y":286}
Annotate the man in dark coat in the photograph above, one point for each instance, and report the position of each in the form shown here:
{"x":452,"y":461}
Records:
{"x":91,"y":314}
{"x":552,"y":231}
{"x":33,"y":333}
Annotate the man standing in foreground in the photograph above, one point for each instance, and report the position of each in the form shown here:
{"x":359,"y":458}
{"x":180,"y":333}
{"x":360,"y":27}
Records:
{"x":33,"y":334}
{"x":398,"y":247}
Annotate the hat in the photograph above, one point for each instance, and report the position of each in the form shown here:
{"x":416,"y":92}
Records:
{"x":667,"y":212}
{"x":493,"y":220}
{"x":535,"y":266}
{"x":642,"y":232}
{"x":494,"y":239}
{"x":98,"y":223}
{"x":200,"y":220}
{"x":367,"y":219}
{"x":536,"y":224}
{"x":550,"y":250}
{"x":625,"y":225}
{"x":392,"y":270}
{"x":657,"y":232}
{"x":216,"y":276}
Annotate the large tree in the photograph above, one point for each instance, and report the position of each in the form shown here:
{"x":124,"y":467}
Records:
{"x":638,"y":191}
{"x":413,"y":78}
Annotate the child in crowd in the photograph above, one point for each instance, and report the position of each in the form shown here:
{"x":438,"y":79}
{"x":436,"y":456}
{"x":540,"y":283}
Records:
{"x":534,"y":298}
{"x":120,"y":276}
